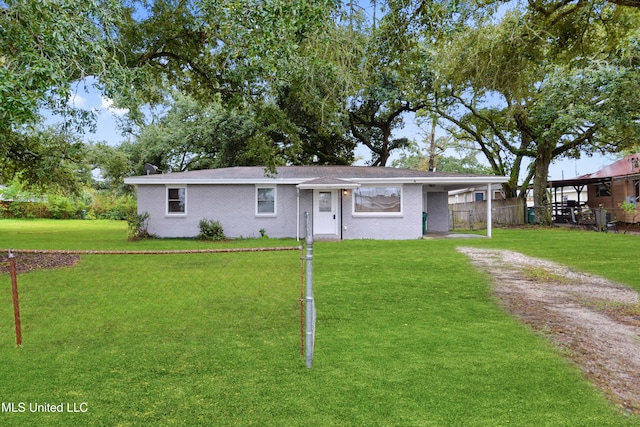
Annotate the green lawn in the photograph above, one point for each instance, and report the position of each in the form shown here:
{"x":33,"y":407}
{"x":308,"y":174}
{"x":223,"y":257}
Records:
{"x":407,"y":335}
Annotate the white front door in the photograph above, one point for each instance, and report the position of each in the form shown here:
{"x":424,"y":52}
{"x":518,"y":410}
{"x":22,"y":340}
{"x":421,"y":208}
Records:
{"x":325,"y":211}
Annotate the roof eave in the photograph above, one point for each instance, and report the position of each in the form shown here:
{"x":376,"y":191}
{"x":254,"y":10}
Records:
{"x":350,"y":183}
{"x":438,"y":180}
{"x":204,"y":181}
{"x":312,"y":186}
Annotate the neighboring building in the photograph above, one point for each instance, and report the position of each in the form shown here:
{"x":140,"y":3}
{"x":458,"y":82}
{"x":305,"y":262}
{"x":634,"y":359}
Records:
{"x":474,"y":194}
{"x":562,"y":195}
{"x":344,"y":202}
{"x":606,"y":188}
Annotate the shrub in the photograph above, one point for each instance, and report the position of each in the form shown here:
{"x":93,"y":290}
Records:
{"x":211,"y":230}
{"x":62,"y":207}
{"x":108,"y":205}
{"x":138,"y":226}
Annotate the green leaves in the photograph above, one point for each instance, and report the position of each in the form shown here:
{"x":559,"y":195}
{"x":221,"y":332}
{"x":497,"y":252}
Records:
{"x":541,"y":82}
{"x":47,"y":45}
{"x":43,"y":158}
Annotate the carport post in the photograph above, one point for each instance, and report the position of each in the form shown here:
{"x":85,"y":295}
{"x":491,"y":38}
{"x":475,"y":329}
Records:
{"x":310,"y":311}
{"x":489,"y":219}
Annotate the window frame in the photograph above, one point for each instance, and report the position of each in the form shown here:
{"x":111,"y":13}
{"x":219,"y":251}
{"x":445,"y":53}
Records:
{"x":400,"y":213}
{"x":168,"y":200}
{"x":275,"y":200}
{"x":603,"y":189}
{"x":482,"y":195}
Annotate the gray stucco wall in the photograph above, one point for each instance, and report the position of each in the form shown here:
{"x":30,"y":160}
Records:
{"x":407,"y":226}
{"x":234,"y":206}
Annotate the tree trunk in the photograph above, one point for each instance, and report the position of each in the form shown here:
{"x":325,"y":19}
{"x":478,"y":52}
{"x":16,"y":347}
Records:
{"x":386,"y":141}
{"x":432,"y":145}
{"x":542,"y":205}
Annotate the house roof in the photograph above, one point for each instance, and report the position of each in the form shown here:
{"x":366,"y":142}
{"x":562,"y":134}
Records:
{"x":625,"y":167}
{"x":316,"y":177}
{"x":629,"y":165}
{"x":328,"y":182}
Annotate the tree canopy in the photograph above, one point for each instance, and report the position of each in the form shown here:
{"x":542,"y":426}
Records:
{"x":547,"y":81}
{"x":46,"y":48}
{"x":304,"y":82}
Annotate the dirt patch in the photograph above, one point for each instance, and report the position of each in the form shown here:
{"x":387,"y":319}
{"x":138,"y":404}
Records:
{"x":26,"y":262}
{"x":594,"y":321}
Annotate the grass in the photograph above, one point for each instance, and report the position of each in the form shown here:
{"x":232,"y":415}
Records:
{"x":541,"y":274}
{"x":612,"y":255}
{"x":408,"y":335}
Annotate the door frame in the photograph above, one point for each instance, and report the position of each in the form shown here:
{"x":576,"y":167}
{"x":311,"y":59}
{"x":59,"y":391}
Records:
{"x":335,"y":211}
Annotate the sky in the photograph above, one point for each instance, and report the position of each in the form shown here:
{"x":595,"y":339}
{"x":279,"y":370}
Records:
{"x":89,"y":98}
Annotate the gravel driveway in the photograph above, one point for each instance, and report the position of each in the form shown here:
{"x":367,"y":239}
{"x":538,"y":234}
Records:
{"x":595,"y":321}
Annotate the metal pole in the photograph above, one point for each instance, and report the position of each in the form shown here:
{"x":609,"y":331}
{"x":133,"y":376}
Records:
{"x":309,"y":302}
{"x":14,"y":291}
{"x":297,"y":214}
{"x":489,"y":210}
{"x":302,"y":286}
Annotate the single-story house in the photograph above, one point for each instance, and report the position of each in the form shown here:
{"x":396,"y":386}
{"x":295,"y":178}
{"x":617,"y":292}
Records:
{"x":344,"y":202}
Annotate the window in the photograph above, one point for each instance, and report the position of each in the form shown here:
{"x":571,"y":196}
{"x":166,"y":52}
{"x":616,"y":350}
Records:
{"x":377,"y":200}
{"x":177,"y":201}
{"x":324,"y":201}
{"x":479,"y":196}
{"x":603,"y":190}
{"x":265,"y":200}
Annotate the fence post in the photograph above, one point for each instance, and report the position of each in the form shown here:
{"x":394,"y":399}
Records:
{"x":14,"y":292}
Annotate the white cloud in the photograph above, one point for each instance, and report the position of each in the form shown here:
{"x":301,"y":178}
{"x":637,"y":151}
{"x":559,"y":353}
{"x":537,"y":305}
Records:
{"x":77,"y":101}
{"x":107,"y":103}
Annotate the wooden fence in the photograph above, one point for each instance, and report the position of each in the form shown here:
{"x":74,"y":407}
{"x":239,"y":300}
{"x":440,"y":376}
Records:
{"x":472,"y":215}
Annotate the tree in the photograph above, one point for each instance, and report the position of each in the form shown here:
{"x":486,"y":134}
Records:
{"x":395,"y":79}
{"x":231,"y":51}
{"x":542,"y":86}
{"x":44,"y":158}
{"x":188,"y":135}
{"x":249,"y":59}
{"x":415,"y":157}
{"x":112,"y":163}
{"x":323,"y":135}
{"x":46,"y":48}
{"x":191,"y":134}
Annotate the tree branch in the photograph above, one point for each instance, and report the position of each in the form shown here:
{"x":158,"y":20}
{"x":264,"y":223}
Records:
{"x":576,"y":142}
